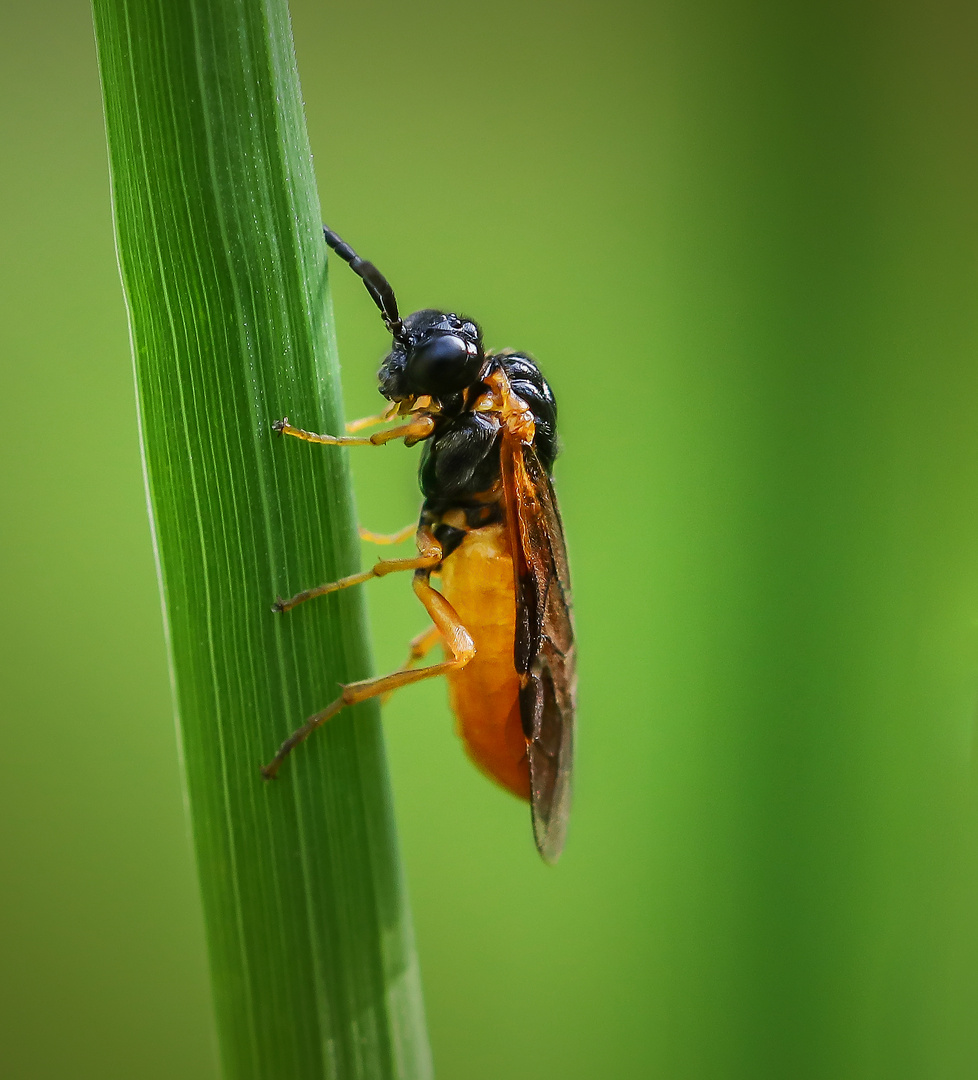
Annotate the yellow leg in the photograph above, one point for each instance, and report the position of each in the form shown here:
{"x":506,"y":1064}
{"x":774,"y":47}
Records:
{"x":419,"y":649}
{"x":417,"y":428}
{"x":371,"y":421}
{"x":448,"y":627}
{"x":381,"y":569}
{"x":422,"y":644}
{"x":429,"y":555}
{"x":388,"y":538}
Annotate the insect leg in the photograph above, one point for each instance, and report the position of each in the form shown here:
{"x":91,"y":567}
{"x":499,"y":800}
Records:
{"x":417,"y":428}
{"x":380,"y":569}
{"x":418,"y":650}
{"x":430,"y":554}
{"x":449,"y":628}
{"x":388,"y":538}
{"x":372,"y":421}
{"x":421,"y":645}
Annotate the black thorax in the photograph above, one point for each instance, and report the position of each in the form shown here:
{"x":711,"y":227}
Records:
{"x":460,"y":461}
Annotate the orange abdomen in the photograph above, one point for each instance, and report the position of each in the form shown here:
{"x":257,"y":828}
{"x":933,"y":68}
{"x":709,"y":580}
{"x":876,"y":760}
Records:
{"x":477,"y":580}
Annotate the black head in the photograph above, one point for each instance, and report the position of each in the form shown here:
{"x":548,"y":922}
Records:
{"x":435,"y":352}
{"x":440,"y":354}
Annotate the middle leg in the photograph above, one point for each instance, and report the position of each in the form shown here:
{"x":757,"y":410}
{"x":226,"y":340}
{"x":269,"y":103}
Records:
{"x":429,"y":555}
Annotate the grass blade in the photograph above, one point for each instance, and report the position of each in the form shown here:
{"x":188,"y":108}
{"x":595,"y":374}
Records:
{"x":223,"y":262}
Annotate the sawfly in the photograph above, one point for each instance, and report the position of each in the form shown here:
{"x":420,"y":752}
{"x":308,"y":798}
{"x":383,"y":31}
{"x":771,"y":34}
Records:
{"x":490,"y":529}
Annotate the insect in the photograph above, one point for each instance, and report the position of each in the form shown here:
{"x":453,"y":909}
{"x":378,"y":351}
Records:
{"x":490,"y":528}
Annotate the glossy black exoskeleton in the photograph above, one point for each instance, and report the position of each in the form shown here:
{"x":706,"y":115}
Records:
{"x":440,"y":355}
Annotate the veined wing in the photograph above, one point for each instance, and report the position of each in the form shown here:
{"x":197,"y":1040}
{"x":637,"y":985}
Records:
{"x":544,"y":646}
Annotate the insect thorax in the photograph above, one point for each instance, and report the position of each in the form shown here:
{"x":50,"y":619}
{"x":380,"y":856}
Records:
{"x":460,"y":462}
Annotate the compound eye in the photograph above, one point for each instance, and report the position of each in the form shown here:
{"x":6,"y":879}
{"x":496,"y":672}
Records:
{"x":444,"y":364}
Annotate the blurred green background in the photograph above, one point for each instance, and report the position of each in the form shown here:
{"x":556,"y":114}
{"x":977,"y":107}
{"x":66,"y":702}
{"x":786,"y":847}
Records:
{"x":741,"y":239}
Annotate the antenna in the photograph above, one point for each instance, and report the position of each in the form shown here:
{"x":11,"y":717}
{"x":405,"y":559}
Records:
{"x":377,"y":285}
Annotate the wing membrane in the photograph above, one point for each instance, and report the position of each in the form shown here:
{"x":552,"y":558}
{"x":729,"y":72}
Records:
{"x":544,"y":647}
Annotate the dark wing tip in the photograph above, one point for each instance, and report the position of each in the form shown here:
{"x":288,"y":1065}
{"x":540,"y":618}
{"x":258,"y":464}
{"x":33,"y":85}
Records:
{"x":549,"y":840}
{"x":550,"y":794}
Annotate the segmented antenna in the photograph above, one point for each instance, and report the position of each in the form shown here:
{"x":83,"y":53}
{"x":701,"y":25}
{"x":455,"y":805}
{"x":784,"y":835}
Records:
{"x":377,"y":285}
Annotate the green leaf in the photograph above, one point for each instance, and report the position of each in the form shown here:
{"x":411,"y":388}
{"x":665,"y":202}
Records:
{"x":224,"y":266}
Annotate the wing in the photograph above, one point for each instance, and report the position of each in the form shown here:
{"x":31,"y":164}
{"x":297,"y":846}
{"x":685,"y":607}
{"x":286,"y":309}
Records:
{"x":544,"y":647}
